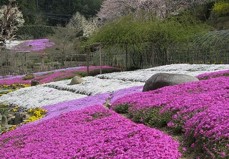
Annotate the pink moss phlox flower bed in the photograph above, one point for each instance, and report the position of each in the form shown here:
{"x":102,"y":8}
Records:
{"x":50,"y":76}
{"x":200,"y":109}
{"x":94,"y":132}
{"x":37,"y":45}
{"x":213,"y":74}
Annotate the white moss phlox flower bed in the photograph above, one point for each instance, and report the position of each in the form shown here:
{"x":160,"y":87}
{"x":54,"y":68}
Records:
{"x":144,"y":74}
{"x":94,"y":85}
{"x":38,"y":96}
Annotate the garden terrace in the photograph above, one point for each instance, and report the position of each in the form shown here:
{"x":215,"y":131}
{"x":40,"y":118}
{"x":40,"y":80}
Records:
{"x":193,"y":116}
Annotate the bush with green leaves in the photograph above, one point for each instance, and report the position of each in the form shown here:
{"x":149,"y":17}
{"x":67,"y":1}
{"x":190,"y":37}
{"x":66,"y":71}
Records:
{"x":221,"y":8}
{"x":28,"y":76}
{"x":161,"y":34}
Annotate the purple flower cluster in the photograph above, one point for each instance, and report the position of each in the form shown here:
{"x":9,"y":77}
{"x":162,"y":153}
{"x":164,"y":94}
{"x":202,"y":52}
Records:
{"x":200,"y":109}
{"x":94,"y":132}
{"x":213,"y":74}
{"x":78,"y":104}
{"x":123,"y":92}
{"x":50,"y":76}
{"x":33,"y":45}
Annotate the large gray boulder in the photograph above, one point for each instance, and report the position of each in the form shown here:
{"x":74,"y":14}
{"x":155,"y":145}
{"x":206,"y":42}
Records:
{"x":76,"y":80}
{"x":166,"y":79}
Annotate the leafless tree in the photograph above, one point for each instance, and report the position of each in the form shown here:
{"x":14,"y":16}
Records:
{"x":11,"y":19}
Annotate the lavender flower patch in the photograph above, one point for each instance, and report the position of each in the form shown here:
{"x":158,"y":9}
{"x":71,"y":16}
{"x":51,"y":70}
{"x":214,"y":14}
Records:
{"x":94,"y":132}
{"x":200,"y":109}
{"x":10,"y":76}
{"x":123,"y":92}
{"x":55,"y":110}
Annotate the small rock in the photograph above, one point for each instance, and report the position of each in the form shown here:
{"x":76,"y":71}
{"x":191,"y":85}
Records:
{"x":76,"y":80}
{"x":34,"y":82}
{"x":18,"y":118}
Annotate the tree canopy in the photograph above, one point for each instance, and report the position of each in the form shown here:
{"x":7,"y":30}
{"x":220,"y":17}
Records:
{"x":132,"y":30}
{"x":55,"y":12}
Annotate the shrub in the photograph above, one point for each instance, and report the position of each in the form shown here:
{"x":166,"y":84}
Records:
{"x":221,"y":8}
{"x":35,"y":114}
{"x":28,"y":77}
{"x":123,"y":108}
{"x":12,"y":116}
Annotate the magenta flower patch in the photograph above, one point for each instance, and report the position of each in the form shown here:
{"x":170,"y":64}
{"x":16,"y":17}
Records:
{"x":95,"y":132}
{"x":37,"y":45}
{"x":213,"y":74}
{"x":50,"y":76}
{"x":200,"y":109}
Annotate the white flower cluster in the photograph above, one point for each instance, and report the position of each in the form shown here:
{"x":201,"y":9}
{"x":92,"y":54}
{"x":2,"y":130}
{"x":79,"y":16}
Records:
{"x":38,"y":96}
{"x":79,"y":22}
{"x":94,"y":85}
{"x":111,"y":9}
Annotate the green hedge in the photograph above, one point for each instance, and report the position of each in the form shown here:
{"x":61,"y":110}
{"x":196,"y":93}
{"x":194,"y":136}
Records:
{"x":34,"y":32}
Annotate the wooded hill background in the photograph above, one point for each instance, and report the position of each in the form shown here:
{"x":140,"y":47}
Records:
{"x":53,"y":12}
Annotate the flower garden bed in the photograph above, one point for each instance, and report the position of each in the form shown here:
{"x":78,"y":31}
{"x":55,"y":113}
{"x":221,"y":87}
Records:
{"x":77,"y":126}
{"x":56,"y":75}
{"x":93,"y":85}
{"x":12,"y":116}
{"x":4,"y":89}
{"x":213,"y":74}
{"x":143,"y":74}
{"x":38,"y":96}
{"x":37,"y":45}
{"x":95,"y":132}
{"x":198,"y":110}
